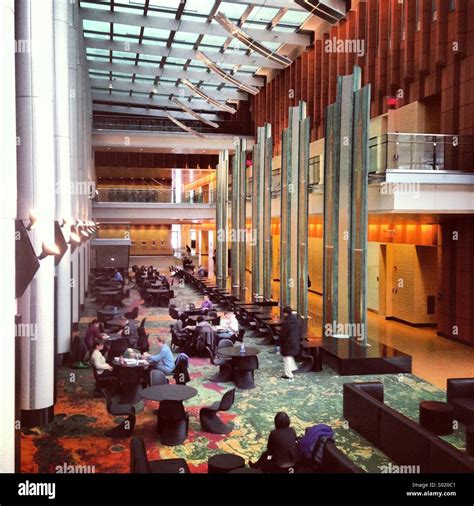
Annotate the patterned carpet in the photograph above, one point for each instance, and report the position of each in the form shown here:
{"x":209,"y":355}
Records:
{"x":76,"y":437}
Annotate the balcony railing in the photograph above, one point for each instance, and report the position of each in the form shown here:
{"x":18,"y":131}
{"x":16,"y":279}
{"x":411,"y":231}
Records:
{"x":164,"y":196}
{"x":410,"y":151}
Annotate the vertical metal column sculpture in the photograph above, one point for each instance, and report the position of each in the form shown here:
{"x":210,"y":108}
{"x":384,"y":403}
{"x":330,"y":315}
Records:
{"x":345,"y":210}
{"x":261,"y":214}
{"x":221,"y":218}
{"x":238,"y":233}
{"x":294,"y":212}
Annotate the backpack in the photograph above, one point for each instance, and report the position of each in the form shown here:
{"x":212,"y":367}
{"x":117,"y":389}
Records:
{"x":311,"y":445}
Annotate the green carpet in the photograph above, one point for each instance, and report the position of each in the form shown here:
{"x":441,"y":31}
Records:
{"x":76,"y":437}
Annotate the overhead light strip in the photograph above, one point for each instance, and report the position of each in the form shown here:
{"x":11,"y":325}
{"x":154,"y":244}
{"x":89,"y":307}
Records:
{"x":224,"y":75}
{"x":251,"y":43}
{"x":329,"y":10}
{"x":183,"y":126}
{"x":207,"y":98}
{"x":188,"y":110}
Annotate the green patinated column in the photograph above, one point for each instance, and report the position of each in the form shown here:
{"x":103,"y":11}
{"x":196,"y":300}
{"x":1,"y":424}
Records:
{"x":221,"y":217}
{"x":238,"y":216}
{"x":261,"y":214}
{"x":345,"y":210}
{"x":294,"y":211}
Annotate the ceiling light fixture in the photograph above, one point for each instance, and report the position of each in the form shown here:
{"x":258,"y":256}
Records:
{"x":48,"y":250}
{"x":251,"y":43}
{"x":224,"y":75}
{"x":33,"y":217}
{"x":329,"y":10}
{"x":187,"y":109}
{"x":183,"y":126}
{"x":207,"y":98}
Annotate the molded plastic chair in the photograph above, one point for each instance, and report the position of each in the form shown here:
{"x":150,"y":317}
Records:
{"x":125,"y":429}
{"x":133,"y":314}
{"x":244,"y":372}
{"x":210,"y":422}
{"x":224,"y":363}
{"x":173,"y":423}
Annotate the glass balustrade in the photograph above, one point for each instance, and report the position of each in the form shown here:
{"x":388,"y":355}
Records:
{"x":155,"y":195}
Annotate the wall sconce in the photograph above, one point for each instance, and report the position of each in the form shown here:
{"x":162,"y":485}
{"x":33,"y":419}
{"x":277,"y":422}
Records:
{"x":64,"y":222}
{"x":74,"y":238}
{"x":84,"y":233}
{"x":48,"y":250}
{"x":33,"y":217}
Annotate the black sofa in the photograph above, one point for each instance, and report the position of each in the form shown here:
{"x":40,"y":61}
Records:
{"x":399,"y":437}
{"x":334,"y":461}
{"x":460,"y":394}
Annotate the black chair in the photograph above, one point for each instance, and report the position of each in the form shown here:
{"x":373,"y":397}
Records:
{"x":210,"y":422}
{"x":133,"y":314}
{"x":125,"y":429}
{"x":118,"y":347}
{"x":224,"y":363}
{"x":173,"y":423}
{"x":110,"y":382}
{"x":139,"y":462}
{"x":215,"y":319}
{"x":173,"y":312}
{"x":158,"y":378}
{"x":460,"y":394}
{"x":244,"y":372}
{"x":143,"y":344}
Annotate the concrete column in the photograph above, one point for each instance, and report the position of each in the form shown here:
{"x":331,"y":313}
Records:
{"x":63,"y":171}
{"x":36,"y":182}
{"x":73,"y":130}
{"x":294,"y":212}
{"x":7,"y":232}
{"x":261,"y":214}
{"x":221,"y":218}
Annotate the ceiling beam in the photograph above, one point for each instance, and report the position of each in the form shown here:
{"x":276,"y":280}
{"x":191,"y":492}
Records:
{"x":174,"y":52}
{"x":276,"y":4}
{"x":163,"y":89}
{"x":198,"y":105}
{"x":153,"y":113}
{"x":147,"y":70}
{"x":195,"y":27}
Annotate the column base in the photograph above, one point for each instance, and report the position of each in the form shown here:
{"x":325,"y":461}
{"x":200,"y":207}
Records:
{"x":37,"y":417}
{"x":62,"y":359}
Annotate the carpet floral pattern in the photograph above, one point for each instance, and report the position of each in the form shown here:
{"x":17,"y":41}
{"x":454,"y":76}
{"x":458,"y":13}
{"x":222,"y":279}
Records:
{"x":76,"y":436}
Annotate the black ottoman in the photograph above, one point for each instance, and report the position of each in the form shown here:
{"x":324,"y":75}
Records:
{"x":224,"y":463}
{"x":437,"y":417}
{"x":470,"y":440}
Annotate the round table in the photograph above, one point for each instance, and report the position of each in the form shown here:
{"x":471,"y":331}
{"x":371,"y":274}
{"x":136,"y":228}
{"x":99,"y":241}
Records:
{"x":470,"y":440}
{"x":437,"y":417}
{"x":246,"y":470}
{"x":169,"y":393}
{"x":205,"y":317}
{"x":234,"y":352}
{"x":173,"y":431}
{"x":223,"y":463}
{"x":111,"y":312}
{"x":242,"y":366}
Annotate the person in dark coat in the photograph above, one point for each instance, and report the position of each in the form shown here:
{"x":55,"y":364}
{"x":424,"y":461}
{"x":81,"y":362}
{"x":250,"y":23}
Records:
{"x":281,"y":452}
{"x":289,"y":341}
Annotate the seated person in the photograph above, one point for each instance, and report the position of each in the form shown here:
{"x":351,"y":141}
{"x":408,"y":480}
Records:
{"x":117,"y":276}
{"x":92,"y":333}
{"x":104,"y":370}
{"x":129,"y":329}
{"x":164,"y":360}
{"x":281,"y":451}
{"x":204,"y":333}
{"x":201,"y":271}
{"x":206,"y":304}
{"x":230,"y":324}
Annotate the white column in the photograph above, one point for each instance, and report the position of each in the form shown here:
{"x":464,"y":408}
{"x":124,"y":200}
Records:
{"x":73,"y":122}
{"x":63,"y":171}
{"x":36,"y":181}
{"x":7,"y":232}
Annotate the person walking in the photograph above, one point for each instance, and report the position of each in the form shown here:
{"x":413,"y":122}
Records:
{"x":289,"y":341}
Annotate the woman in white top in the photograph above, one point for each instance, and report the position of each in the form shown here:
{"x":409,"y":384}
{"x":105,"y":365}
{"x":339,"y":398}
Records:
{"x":98,"y":361}
{"x":230,"y":324}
